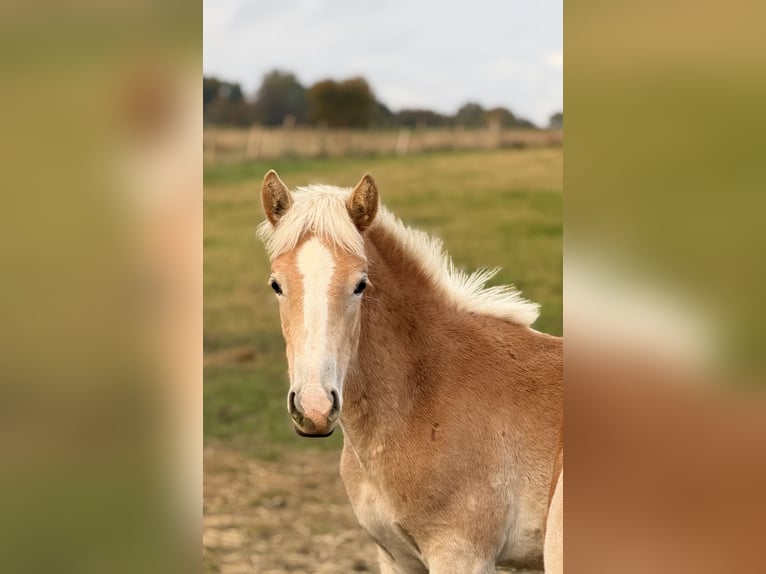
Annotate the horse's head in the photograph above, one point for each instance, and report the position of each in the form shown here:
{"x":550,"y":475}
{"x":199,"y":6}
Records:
{"x":319,"y":276}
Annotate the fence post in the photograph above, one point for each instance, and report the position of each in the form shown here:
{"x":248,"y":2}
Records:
{"x":402,"y":141}
{"x":213,"y":138}
{"x":321,"y":132}
{"x":494,"y":133}
{"x":253,"y":144}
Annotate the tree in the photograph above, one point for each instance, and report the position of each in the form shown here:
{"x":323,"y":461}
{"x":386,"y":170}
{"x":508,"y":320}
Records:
{"x":383,"y":117}
{"x":527,"y":124}
{"x":210,"y":87}
{"x":503,"y":116}
{"x":280,"y":95}
{"x":224,"y":103}
{"x":470,"y":115}
{"x":348,"y":104}
{"x":422,"y":118}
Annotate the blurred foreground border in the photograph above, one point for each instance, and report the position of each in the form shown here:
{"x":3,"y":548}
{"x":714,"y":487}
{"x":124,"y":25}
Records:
{"x":664,"y":282}
{"x":100,"y":367}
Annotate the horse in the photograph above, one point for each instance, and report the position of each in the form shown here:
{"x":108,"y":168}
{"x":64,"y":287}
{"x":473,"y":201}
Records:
{"x":450,"y":404}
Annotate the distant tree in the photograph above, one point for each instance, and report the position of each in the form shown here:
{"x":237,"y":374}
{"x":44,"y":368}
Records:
{"x":383,"y":116}
{"x":470,"y":115}
{"x":556,"y":121}
{"x":210,"y":88}
{"x":350,"y":103}
{"x":526,"y":124}
{"x":224,"y":103}
{"x":324,"y":103}
{"x":231,"y":92}
{"x":280,"y":95}
{"x":281,"y":99}
{"x":503,"y":116}
{"x":224,"y":112}
{"x":422,"y":118}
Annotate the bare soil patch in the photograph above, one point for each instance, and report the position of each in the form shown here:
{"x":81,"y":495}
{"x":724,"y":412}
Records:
{"x":274,"y":517}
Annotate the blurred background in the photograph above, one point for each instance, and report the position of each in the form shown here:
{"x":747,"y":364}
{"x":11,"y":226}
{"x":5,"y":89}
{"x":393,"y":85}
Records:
{"x":458,"y":116}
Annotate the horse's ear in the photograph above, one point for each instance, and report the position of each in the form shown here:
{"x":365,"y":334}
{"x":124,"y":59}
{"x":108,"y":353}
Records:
{"x":275,"y":197}
{"x":362,"y":205}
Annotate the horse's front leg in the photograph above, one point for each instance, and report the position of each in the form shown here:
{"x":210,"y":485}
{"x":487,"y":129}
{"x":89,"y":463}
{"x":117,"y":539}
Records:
{"x":554,"y":533}
{"x":389,"y":565}
{"x":461,"y":563}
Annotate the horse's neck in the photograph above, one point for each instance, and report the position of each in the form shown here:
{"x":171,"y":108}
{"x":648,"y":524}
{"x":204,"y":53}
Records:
{"x":397,"y":324}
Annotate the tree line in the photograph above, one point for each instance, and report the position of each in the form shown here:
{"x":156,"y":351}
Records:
{"x":282,"y":100}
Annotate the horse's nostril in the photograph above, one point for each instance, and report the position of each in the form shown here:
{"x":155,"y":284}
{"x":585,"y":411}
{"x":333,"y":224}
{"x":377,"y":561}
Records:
{"x":291,"y":402}
{"x":335,"y":401}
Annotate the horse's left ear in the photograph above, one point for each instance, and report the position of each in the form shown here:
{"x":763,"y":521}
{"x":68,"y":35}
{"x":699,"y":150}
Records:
{"x":363,"y":203}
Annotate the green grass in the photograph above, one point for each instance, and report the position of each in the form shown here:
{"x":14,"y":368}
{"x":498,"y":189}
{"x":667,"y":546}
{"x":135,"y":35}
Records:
{"x":501,"y":208}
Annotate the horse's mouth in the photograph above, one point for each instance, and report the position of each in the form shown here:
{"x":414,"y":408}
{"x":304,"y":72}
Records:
{"x":307,"y":427}
{"x":314,"y":435}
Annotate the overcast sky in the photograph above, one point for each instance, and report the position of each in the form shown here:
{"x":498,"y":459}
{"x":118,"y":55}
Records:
{"x":414,"y":53}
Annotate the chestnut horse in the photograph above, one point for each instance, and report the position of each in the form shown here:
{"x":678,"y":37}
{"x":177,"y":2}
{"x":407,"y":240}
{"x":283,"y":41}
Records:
{"x":449,"y":403}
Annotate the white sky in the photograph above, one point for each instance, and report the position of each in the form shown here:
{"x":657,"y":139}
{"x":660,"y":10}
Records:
{"x":414,"y":53}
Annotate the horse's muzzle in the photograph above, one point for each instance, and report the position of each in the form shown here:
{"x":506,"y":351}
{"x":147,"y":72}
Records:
{"x":314,"y":412}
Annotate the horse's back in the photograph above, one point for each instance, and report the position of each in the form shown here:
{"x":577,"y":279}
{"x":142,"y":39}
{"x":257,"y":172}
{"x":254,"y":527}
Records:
{"x":523,"y":367}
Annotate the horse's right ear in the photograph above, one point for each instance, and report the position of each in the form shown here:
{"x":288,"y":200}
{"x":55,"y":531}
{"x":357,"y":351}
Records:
{"x":275,"y":197}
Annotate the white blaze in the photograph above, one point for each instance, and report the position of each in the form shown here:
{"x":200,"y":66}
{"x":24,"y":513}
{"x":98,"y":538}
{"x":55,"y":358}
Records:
{"x":316,"y":265}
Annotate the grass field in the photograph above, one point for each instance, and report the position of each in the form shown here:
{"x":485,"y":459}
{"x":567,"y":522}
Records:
{"x":499,"y":208}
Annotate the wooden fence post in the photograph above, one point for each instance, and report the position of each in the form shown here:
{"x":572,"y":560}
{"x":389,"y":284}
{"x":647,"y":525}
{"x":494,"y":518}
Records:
{"x":402,"y":142}
{"x":494,"y":133}
{"x":253,"y":144}
{"x":213,"y":138}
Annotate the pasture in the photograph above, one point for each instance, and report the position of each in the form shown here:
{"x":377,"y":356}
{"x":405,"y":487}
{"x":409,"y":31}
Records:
{"x":491,"y":208}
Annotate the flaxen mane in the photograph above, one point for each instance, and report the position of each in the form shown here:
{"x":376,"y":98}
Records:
{"x":321,"y":210}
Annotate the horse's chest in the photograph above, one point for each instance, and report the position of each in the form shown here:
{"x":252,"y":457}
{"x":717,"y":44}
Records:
{"x":378,"y":515}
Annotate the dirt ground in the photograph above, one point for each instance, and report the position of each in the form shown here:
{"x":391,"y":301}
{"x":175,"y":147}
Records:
{"x":275,"y":517}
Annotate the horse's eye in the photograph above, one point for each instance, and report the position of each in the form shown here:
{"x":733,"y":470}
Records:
{"x":360,"y":287}
{"x":276,"y":287}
